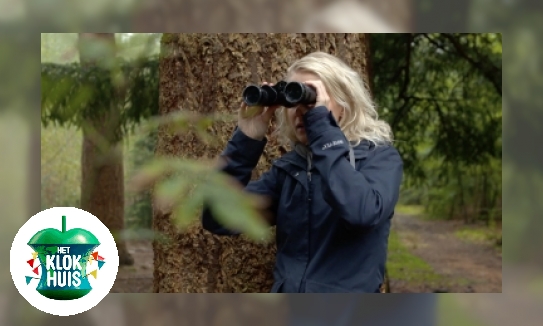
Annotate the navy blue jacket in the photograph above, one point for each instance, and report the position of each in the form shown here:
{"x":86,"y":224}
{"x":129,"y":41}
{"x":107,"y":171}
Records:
{"x":333,"y":222}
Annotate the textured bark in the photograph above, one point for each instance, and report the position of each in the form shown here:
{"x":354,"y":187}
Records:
{"x":102,"y":178}
{"x":206,"y":73}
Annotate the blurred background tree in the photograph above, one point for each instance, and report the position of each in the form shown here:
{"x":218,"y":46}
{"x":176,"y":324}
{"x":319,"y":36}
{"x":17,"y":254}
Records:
{"x":102,"y":95}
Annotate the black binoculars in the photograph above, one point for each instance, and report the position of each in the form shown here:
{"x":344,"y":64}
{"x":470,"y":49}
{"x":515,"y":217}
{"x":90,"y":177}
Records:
{"x":285,"y":94}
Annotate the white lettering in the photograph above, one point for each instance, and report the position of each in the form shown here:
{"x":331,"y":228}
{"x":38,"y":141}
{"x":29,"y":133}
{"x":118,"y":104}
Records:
{"x":76,"y":262}
{"x":66,"y":262}
{"x":61,"y":279}
{"x":51,"y":277}
{"x":49,"y":262}
{"x":331,"y":144}
{"x":58,"y":270}
{"x":76,"y":281}
{"x":58,"y":263}
{"x":63,"y":250}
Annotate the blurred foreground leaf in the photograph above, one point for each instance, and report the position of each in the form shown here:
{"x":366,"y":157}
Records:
{"x":183,"y":121}
{"x":182,"y":187}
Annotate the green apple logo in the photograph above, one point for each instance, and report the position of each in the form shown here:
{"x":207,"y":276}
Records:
{"x":63,"y":256}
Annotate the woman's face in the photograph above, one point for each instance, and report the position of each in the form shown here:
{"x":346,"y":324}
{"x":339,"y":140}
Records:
{"x":295,"y":115}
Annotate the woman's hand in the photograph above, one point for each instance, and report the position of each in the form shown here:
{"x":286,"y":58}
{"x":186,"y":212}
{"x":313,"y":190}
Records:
{"x":254,"y":121}
{"x":323,"y":99}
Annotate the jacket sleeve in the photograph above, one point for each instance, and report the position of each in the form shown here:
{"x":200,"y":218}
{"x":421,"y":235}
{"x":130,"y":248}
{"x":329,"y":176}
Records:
{"x":242,"y":154}
{"x":362,"y":198}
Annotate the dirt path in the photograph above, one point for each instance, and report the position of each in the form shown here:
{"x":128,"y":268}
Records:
{"x":467,"y":267}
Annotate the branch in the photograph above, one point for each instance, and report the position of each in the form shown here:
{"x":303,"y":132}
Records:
{"x":488,"y":73}
{"x":431,"y":40}
{"x":402,"y":111}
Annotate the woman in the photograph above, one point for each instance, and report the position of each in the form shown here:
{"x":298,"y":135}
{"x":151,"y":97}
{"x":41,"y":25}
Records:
{"x":333,"y":196}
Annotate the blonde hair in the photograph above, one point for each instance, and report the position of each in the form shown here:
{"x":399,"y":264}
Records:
{"x":360,"y":119}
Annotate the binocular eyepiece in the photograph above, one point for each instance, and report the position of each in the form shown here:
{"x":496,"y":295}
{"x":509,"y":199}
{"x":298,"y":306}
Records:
{"x":285,"y":94}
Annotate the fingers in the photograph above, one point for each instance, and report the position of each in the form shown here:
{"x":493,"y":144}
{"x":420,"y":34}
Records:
{"x":243,"y":109}
{"x":323,"y":99}
{"x":265,"y":112}
{"x":249,"y":112}
{"x":268,"y":114}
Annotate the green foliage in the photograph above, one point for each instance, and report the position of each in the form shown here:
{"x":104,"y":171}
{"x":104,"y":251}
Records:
{"x":414,"y":210}
{"x":480,"y":235}
{"x":72,"y":94}
{"x":441,"y":93}
{"x":181,"y":187}
{"x":139,"y":214}
{"x":470,"y":192}
{"x":61,"y":172}
{"x":437,"y":102}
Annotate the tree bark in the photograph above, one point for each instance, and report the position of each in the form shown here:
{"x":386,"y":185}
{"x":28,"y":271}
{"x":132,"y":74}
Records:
{"x":102,"y":177}
{"x":204,"y":73}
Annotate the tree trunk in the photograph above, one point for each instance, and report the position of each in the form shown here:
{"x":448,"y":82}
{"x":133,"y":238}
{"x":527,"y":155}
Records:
{"x":102,"y":178}
{"x":204,"y":73}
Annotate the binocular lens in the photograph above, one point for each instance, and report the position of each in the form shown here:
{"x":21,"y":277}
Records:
{"x":286,"y":94}
{"x":298,"y":93}
{"x":294,"y":92}
{"x":263,"y":96}
{"x":252,"y":95}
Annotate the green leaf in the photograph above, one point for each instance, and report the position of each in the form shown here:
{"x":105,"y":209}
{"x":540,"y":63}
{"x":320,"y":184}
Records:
{"x":204,"y":136}
{"x":236,"y":209}
{"x":149,"y":174}
{"x":172,"y":190}
{"x":186,"y":211}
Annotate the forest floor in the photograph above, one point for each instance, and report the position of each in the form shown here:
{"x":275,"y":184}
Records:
{"x":424,"y":256}
{"x":442,"y":256}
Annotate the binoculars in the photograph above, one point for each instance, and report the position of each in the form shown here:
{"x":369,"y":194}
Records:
{"x":285,"y":94}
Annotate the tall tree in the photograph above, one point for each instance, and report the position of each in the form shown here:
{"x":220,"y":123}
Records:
{"x":102,"y":178}
{"x":206,"y":73}
{"x":106,"y":95}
